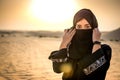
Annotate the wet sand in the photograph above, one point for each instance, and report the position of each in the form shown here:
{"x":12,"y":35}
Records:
{"x":26,"y":58}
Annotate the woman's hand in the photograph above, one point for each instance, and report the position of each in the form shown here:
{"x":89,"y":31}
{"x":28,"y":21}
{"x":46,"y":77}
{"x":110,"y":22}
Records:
{"x":67,"y":37}
{"x":96,"y":35}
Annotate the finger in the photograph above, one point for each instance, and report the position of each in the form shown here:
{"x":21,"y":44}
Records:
{"x":71,"y":29}
{"x":72,"y":33}
{"x":95,"y":30}
{"x":65,"y":30}
{"x":98,"y":31}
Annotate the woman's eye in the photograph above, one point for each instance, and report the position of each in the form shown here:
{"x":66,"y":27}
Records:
{"x":88,"y":27}
{"x":78,"y":27}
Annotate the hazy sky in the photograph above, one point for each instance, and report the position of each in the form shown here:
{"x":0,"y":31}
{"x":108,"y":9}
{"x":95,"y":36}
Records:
{"x":55,"y":15}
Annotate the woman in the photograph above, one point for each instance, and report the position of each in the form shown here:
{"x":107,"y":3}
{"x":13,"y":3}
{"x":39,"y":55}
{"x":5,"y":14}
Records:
{"x":81,"y":55}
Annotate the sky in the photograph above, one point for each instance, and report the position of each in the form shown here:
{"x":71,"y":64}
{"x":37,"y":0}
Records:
{"x":56,"y":15}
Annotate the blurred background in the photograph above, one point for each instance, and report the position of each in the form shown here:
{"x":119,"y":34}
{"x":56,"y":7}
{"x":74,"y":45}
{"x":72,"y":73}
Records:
{"x":31,"y":29}
{"x":55,"y":15}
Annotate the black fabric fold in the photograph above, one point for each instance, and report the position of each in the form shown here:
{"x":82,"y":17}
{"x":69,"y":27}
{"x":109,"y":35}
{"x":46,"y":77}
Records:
{"x":60,"y":54}
{"x":81,"y":44}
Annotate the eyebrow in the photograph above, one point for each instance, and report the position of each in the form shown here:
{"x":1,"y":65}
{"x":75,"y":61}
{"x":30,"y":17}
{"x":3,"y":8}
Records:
{"x":85,"y":24}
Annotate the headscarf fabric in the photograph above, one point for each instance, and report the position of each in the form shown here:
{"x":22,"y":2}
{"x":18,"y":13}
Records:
{"x":81,"y":43}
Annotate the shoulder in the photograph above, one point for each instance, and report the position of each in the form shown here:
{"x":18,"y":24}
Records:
{"x":107,"y":50}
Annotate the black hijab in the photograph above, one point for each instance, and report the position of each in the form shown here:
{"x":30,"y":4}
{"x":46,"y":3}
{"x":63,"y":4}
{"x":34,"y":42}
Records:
{"x":81,"y":43}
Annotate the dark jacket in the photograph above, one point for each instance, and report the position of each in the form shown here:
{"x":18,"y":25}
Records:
{"x":90,"y":67}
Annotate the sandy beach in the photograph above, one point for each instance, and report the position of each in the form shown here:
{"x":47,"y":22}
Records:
{"x":26,"y":58}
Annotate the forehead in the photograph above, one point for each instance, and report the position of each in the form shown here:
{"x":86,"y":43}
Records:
{"x":83,"y":21}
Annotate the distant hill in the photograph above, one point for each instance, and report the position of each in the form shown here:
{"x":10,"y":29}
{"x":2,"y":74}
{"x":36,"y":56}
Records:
{"x":112,"y":35}
{"x":31,"y":33}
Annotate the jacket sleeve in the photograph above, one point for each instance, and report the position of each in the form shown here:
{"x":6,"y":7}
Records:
{"x":58,"y":58}
{"x":107,"y":51}
{"x":95,"y":61}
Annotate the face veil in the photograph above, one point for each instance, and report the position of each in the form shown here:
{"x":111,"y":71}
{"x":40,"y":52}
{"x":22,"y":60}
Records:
{"x":81,"y":43}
